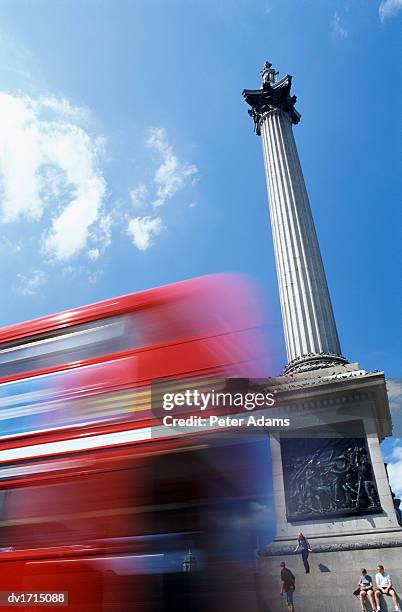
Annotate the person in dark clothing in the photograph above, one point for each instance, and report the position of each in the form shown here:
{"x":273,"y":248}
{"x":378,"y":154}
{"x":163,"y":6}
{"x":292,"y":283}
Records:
{"x":302,"y":543}
{"x":288,"y":585}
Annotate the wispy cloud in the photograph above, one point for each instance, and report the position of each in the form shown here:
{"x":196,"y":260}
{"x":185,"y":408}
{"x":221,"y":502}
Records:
{"x":139,"y":196}
{"x":389,"y":8}
{"x":18,"y":64}
{"x":9,"y":247}
{"x":93,"y":277}
{"x":29,"y":284}
{"x":394,"y":388}
{"x":52,"y":180}
{"x":93,"y":254}
{"x":171,"y":176}
{"x":337,"y":27}
{"x":64,"y":108}
{"x":48,"y":162}
{"x":100,"y":235}
{"x":394,"y":459}
{"x":143,"y":230}
{"x":394,"y":468}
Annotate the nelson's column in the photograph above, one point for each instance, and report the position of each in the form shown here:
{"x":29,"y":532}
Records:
{"x":330,"y":481}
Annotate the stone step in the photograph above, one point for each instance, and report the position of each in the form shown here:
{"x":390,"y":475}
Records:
{"x":330,"y":584}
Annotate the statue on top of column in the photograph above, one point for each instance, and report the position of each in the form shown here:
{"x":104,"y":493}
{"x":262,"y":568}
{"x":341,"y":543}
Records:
{"x":268,"y":74}
{"x":272,"y":96}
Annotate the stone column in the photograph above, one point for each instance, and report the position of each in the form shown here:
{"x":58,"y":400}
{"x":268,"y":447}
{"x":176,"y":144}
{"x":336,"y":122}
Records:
{"x":309,"y":325}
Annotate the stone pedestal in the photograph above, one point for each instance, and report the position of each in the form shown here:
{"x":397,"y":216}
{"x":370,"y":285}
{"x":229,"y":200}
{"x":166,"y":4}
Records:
{"x":339,"y":401}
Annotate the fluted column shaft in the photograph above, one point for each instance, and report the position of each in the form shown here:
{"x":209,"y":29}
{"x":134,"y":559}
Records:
{"x":307,"y":313}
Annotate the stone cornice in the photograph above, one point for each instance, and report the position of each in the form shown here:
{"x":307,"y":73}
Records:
{"x":333,"y":388}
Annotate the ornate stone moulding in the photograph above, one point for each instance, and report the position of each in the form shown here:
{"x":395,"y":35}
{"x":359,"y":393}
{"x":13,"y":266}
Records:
{"x":281,"y":550}
{"x":306,"y":363}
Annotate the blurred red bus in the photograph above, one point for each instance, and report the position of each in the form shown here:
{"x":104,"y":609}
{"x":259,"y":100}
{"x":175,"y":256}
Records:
{"x":78,"y":493}
{"x":89,"y":369}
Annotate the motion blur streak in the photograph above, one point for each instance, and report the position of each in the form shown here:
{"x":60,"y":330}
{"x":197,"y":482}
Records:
{"x":78,"y":444}
{"x":95,"y":497}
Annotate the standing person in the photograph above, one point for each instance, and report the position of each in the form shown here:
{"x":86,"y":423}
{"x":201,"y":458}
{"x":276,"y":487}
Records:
{"x":384,"y":584}
{"x":288,"y":585}
{"x":366,"y":590}
{"x":303,"y":544}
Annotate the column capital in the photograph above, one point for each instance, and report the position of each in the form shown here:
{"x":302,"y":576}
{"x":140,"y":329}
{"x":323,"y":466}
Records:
{"x":272,"y":96}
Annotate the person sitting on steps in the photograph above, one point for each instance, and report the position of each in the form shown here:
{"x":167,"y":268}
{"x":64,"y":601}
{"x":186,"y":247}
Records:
{"x":384,"y":584}
{"x":366,"y":591}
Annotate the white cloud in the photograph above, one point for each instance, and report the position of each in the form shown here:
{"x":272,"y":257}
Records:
{"x":69,"y":232}
{"x":337,"y":27}
{"x":93,"y":254}
{"x":143,"y":230}
{"x":139,"y":196}
{"x":48,"y":161}
{"x":93,"y":277}
{"x":394,"y":388}
{"x":100,"y":236}
{"x":170,"y":177}
{"x":394,"y":468}
{"x":389,"y":8}
{"x":9,"y":247}
{"x":62,"y":106}
{"x":29,"y":285}
{"x":51,"y":176}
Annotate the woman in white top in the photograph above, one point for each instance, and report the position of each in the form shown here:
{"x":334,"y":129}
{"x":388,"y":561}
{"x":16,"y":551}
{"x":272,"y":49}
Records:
{"x":366,"y":590}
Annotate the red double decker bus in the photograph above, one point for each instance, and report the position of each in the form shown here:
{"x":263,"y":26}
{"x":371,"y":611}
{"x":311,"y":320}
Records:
{"x":95,"y":502}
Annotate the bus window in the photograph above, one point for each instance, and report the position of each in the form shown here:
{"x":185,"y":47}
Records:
{"x":197,"y":314}
{"x":144,"y":328}
{"x":76,"y":343}
{"x":3,"y":497}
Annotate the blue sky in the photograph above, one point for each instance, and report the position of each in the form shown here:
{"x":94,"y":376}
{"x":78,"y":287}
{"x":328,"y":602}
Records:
{"x":127,"y":158}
